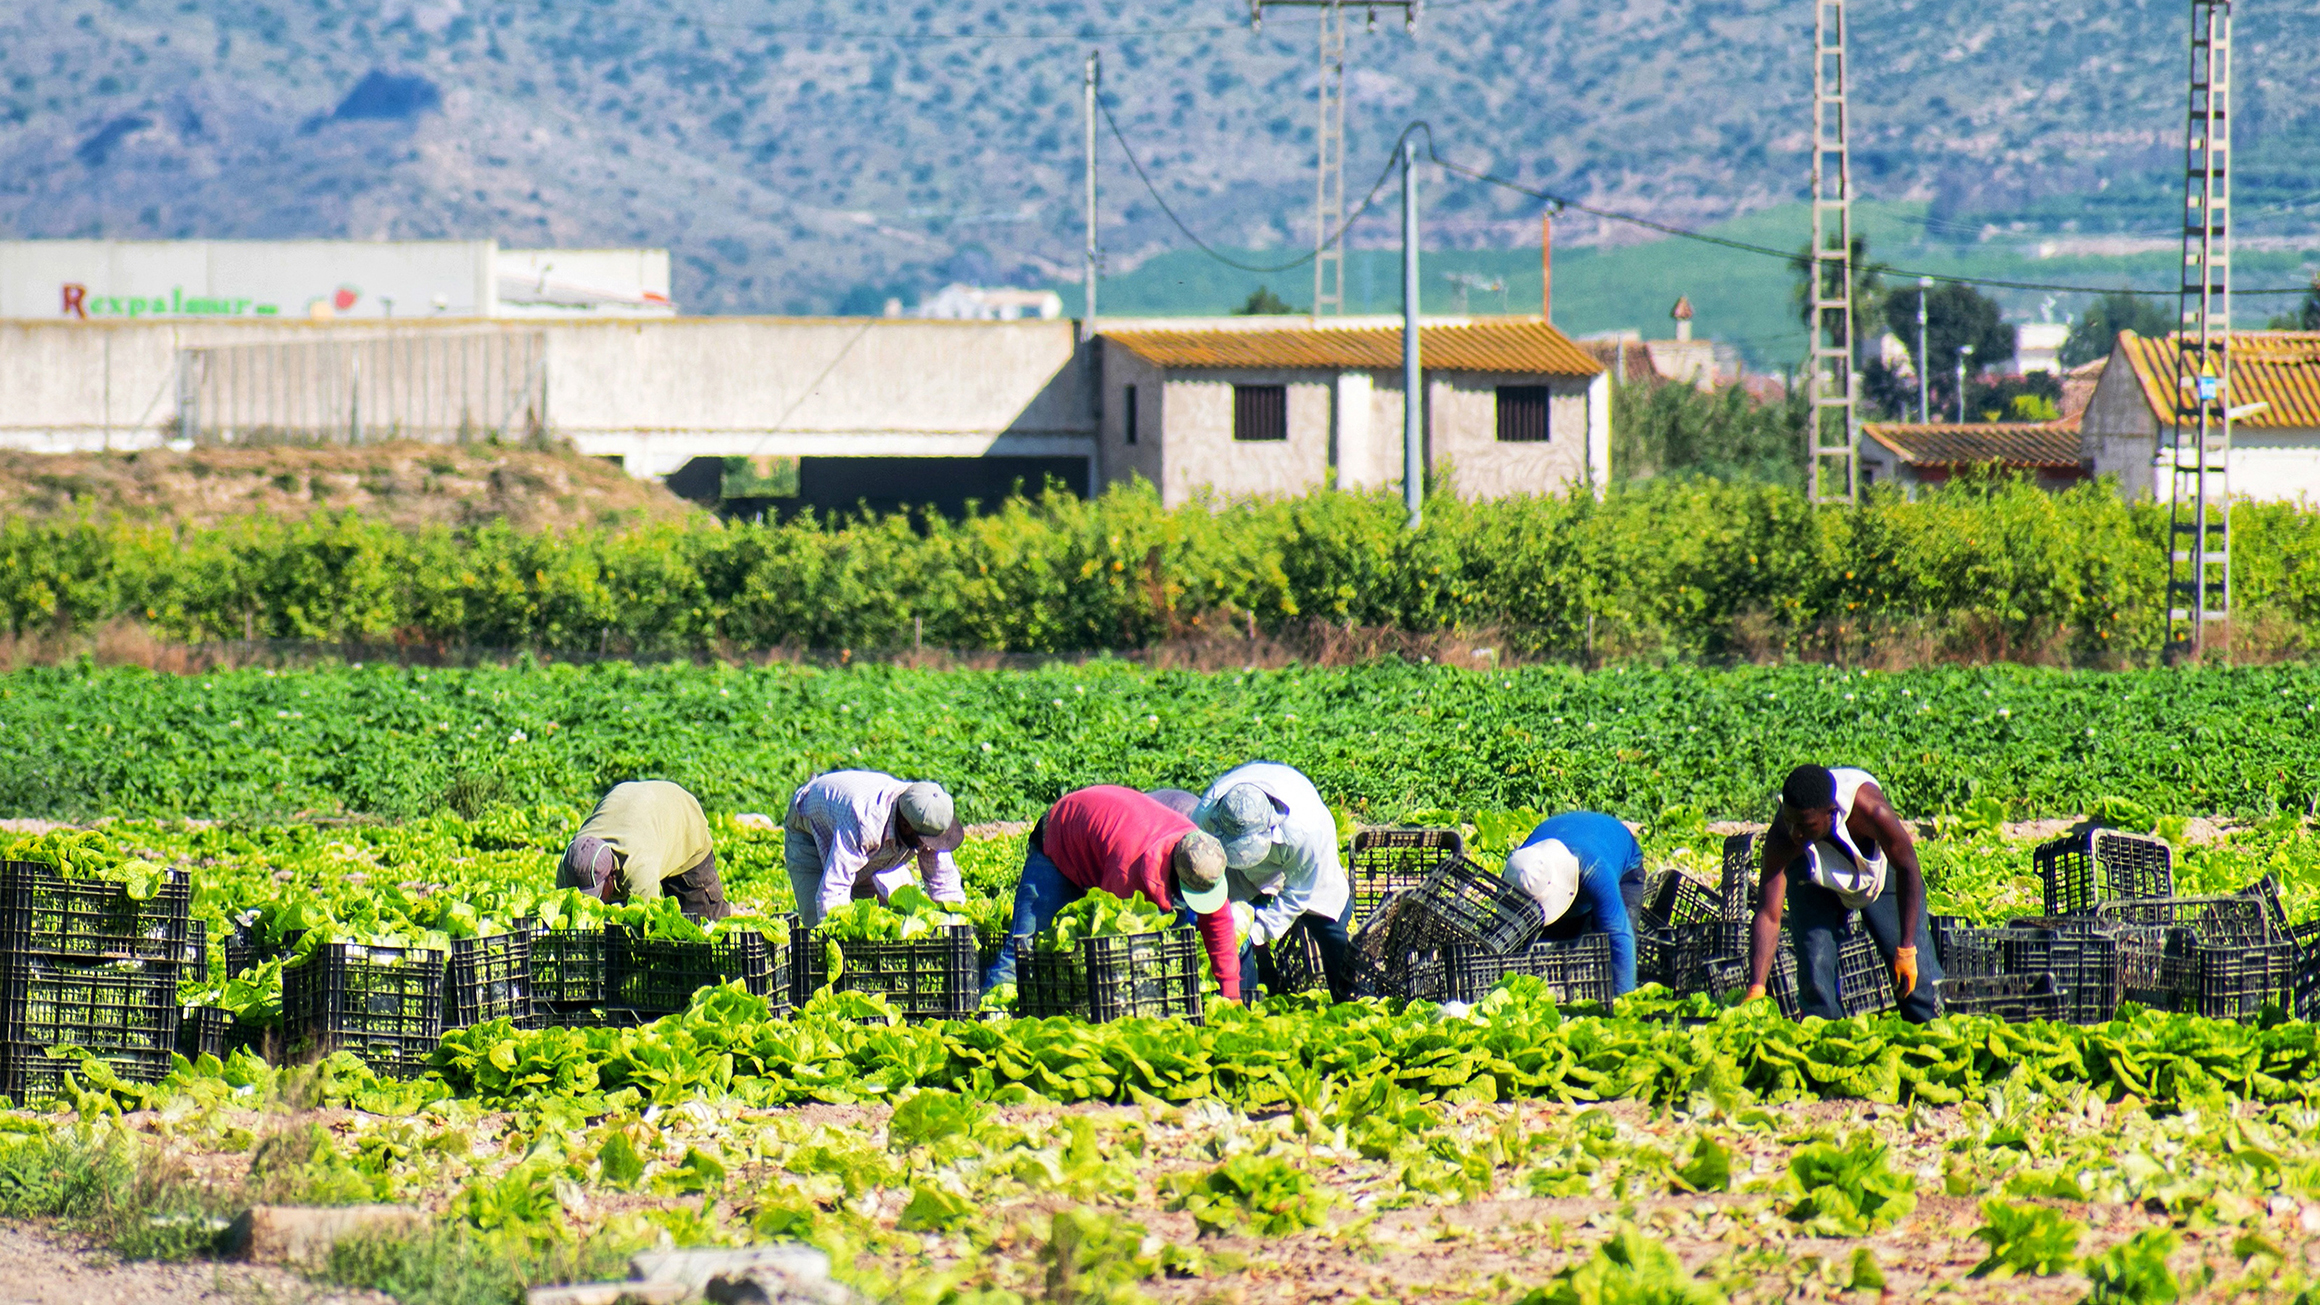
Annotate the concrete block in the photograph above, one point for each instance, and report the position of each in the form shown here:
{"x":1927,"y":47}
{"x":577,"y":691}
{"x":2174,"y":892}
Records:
{"x":297,"y":1234}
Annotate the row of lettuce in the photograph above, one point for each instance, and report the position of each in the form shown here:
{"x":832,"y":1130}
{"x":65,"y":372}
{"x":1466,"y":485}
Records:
{"x":1983,"y":568}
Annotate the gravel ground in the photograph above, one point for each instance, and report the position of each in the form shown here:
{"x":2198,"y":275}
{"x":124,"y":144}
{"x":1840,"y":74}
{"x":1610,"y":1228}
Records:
{"x":41,"y":1266}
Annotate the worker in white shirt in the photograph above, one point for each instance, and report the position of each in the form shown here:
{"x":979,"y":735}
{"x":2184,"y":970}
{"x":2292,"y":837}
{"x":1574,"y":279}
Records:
{"x":860,"y":833}
{"x":1281,"y":858}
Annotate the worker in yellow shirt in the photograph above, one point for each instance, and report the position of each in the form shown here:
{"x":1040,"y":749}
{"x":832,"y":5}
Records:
{"x":647,"y":839}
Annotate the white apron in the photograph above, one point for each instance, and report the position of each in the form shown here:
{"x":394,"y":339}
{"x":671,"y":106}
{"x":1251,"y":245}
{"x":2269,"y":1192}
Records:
{"x":1835,"y":863}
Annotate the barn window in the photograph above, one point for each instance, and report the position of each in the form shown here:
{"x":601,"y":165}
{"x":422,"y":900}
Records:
{"x":1260,"y":412}
{"x":1128,"y":406}
{"x":1522,"y":414}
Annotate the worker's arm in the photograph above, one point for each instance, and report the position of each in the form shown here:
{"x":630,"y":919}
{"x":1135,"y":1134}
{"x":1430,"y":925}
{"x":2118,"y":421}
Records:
{"x":1224,"y":951}
{"x":940,"y":874}
{"x":1310,"y":857}
{"x":1764,"y":937}
{"x":1875,"y":817}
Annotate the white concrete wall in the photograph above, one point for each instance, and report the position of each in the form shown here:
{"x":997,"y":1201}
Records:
{"x":1462,"y":416}
{"x":654,"y":393}
{"x":1202,"y":453}
{"x":1147,"y":458}
{"x":1353,"y":412}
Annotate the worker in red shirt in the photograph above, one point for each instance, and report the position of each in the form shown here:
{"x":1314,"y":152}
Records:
{"x":1125,"y":843}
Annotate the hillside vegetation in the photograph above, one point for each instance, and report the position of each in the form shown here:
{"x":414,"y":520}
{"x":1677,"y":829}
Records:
{"x":821,"y":155}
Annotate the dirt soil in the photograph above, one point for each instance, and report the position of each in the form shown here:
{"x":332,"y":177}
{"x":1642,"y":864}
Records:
{"x":407,"y":485}
{"x":41,"y":1266}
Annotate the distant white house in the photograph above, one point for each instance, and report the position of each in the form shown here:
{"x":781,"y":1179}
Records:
{"x":975,"y":303}
{"x":2275,"y":393}
{"x":2038,"y":347}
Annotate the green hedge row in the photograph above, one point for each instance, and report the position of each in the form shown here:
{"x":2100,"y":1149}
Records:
{"x":1690,"y":569}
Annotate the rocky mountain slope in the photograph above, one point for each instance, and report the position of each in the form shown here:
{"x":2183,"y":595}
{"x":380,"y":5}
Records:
{"x":820,"y":155}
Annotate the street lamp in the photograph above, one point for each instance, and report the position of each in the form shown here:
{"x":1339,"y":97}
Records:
{"x":1924,"y":379}
{"x":1965,"y":351}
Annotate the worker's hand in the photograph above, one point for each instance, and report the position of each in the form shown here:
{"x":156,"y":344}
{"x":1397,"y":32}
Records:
{"x":1904,"y":971}
{"x":1755,"y":992}
{"x":1245,"y":923}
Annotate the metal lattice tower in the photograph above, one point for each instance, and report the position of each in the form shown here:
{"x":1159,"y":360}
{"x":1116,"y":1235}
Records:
{"x":2199,"y":452}
{"x":1329,"y":178}
{"x":1329,"y":183}
{"x":1833,"y":436}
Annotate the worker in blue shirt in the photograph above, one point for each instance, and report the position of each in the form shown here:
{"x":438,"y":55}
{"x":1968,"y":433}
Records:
{"x":1586,"y":873}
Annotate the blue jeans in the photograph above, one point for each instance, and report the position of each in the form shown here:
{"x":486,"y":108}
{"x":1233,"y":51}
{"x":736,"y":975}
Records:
{"x":1039,"y":894}
{"x":1817,"y":922}
{"x":1335,"y":942}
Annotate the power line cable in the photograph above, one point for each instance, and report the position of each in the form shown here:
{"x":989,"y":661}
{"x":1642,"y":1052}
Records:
{"x":1204,"y":247}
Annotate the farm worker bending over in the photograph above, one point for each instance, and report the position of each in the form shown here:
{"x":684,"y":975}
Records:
{"x":647,"y":838}
{"x":852,"y":833}
{"x":1586,"y":873}
{"x":1125,"y":843}
{"x":1836,"y":846}
{"x":1280,"y":843}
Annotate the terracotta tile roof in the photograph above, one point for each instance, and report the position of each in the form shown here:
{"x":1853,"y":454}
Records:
{"x":2013,"y":444}
{"x":2280,"y":369}
{"x":1511,"y":346}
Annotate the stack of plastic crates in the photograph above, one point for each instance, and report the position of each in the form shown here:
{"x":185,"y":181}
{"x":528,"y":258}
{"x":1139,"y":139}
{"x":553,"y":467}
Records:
{"x":1454,"y":936}
{"x":85,"y":965}
{"x":569,"y":970}
{"x":611,"y":976}
{"x":1389,"y":861}
{"x":2087,"y":966}
{"x":934,"y":977}
{"x":1681,"y":929}
{"x":384,"y":1004}
{"x":1741,"y":885}
{"x":2010,"y":997}
{"x":2225,"y":957}
{"x":1116,"y":977}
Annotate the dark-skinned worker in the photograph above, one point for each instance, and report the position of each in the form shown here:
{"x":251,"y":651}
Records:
{"x":854,"y":834}
{"x":1128,"y":844}
{"x":647,"y":839}
{"x":1280,"y":843}
{"x":1835,"y":846}
{"x":1585,"y":870}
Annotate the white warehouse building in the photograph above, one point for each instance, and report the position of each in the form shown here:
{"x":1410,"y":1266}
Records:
{"x":323,"y":280}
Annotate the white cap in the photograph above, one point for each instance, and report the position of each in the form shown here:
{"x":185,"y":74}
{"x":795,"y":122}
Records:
{"x":1549,"y":873}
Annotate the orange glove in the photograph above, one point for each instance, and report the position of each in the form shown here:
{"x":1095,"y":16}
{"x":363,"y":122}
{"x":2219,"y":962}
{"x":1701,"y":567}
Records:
{"x":1904,"y":971}
{"x":1755,"y":992}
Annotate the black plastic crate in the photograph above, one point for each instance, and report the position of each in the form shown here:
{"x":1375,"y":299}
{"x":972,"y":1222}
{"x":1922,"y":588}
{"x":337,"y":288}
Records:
{"x":244,"y":953}
{"x":929,"y":978}
{"x":570,"y":967}
{"x":2011,"y":997}
{"x":126,"y":1005}
{"x":1864,"y":984}
{"x":1691,"y":948}
{"x":205,"y":1031}
{"x":1295,"y":964}
{"x":2080,"y":870}
{"x":1742,"y":882}
{"x":1459,"y":972}
{"x":2229,"y":918}
{"x":1942,"y":927}
{"x":2306,"y":939}
{"x":662,"y":974}
{"x":1387,"y":861}
{"x":489,"y":978}
{"x":385,"y":1004}
{"x":2239,"y":982}
{"x":2093,"y":969}
{"x":28,"y":1074}
{"x":1463,"y":903}
{"x":87,"y":920}
{"x":195,"y":958}
{"x":549,"y":1015}
{"x":1730,"y":974}
{"x":1676,"y":899}
{"x":1573,"y":970}
{"x":1117,"y":977}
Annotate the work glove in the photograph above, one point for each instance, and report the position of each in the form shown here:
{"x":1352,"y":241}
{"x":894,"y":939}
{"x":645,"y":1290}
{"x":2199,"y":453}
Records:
{"x":1904,"y":971}
{"x":1245,"y":924}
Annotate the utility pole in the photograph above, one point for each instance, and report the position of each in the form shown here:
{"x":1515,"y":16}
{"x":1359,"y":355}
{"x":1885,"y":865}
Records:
{"x":1924,"y":378}
{"x":2199,"y":453}
{"x":1329,"y":169}
{"x":1413,"y":375}
{"x":1092,"y":82}
{"x":1834,"y":434}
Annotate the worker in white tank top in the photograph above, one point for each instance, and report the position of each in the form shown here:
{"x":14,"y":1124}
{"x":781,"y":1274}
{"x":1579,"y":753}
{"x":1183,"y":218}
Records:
{"x":1837,"y":846}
